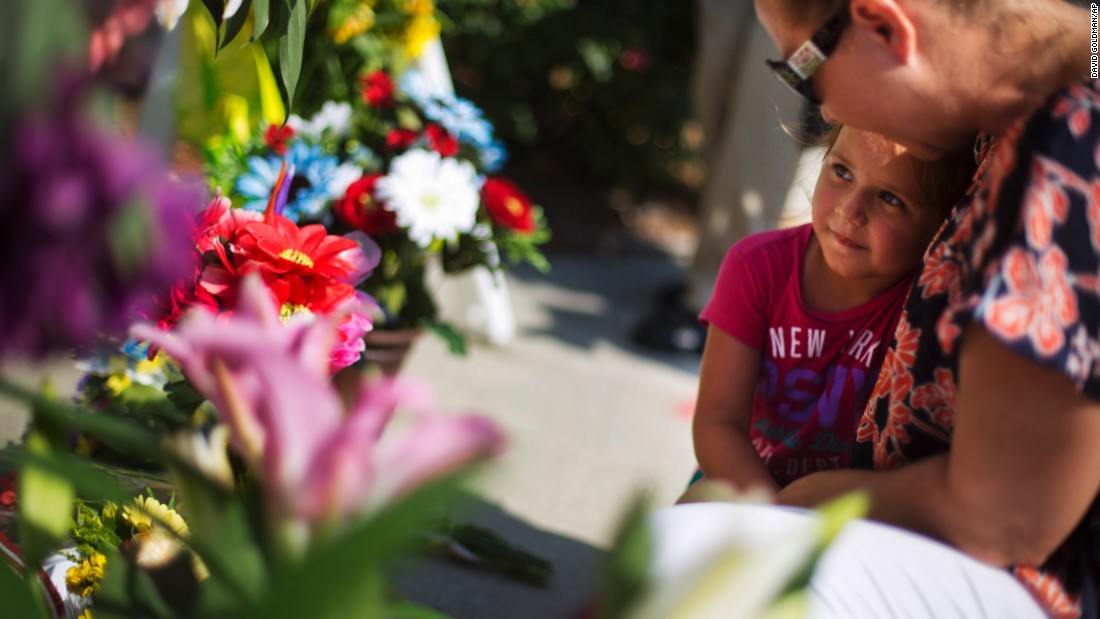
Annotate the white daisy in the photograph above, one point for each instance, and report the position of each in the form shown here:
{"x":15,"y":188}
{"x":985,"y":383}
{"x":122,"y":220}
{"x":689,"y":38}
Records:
{"x":332,"y":120}
{"x":344,"y":175}
{"x":434,"y":197}
{"x":333,"y":117}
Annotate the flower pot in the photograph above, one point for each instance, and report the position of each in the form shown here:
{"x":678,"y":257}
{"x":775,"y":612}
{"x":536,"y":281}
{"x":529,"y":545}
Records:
{"x":387,"y":349}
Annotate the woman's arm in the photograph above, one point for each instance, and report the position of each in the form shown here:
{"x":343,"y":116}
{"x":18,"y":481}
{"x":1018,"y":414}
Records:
{"x":723,"y":410}
{"x":1021,"y":472}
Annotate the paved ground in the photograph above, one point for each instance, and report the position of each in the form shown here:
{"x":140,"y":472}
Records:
{"x":592,"y":419}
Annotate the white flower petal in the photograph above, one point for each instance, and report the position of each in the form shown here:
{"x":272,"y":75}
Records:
{"x":231,"y":8}
{"x":168,"y":12}
{"x":433,"y":197}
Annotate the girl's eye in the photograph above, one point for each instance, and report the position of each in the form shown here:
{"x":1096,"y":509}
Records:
{"x":842,"y":172}
{"x":891,"y":199}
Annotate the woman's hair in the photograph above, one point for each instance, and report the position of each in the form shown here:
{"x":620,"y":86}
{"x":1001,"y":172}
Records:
{"x":817,"y":11}
{"x":943,"y":181}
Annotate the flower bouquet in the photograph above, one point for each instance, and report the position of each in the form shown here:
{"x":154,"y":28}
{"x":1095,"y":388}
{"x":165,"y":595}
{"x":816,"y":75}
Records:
{"x":404,"y":165}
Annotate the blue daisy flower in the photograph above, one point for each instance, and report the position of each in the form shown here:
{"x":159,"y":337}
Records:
{"x":416,"y":87}
{"x":492,"y":155}
{"x":311,"y":187}
{"x":463,"y":119}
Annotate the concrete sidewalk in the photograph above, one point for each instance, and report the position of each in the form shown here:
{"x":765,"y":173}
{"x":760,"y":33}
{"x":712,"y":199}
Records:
{"x":592,"y":420}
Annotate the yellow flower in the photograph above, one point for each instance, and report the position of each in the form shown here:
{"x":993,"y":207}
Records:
{"x":87,"y":614}
{"x":83,"y":446}
{"x":118,"y":383}
{"x":146,"y":366}
{"x":420,"y":8}
{"x":360,"y":21}
{"x":422,"y":30}
{"x":155,"y":545}
{"x":110,"y":510}
{"x":84,"y":578}
{"x":146,"y":513}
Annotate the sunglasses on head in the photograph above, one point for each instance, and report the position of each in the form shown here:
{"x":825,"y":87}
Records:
{"x":798,"y":69}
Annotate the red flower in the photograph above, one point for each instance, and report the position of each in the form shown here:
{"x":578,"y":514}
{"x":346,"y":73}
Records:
{"x":441,"y":140}
{"x":276,"y":138}
{"x":400,"y":139}
{"x":281,"y":247}
{"x":362,"y":211}
{"x":507,"y":205}
{"x":635,"y":58}
{"x":7,"y":491}
{"x":310,"y":295}
{"x":183,"y":298}
{"x":378,"y":89}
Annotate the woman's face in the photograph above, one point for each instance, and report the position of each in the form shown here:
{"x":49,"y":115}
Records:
{"x":865,"y":83}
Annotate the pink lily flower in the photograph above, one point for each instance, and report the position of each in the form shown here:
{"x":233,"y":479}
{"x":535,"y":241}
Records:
{"x":322,"y":462}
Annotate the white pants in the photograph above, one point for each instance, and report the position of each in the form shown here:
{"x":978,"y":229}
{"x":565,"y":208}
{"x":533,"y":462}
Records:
{"x":870,"y":571}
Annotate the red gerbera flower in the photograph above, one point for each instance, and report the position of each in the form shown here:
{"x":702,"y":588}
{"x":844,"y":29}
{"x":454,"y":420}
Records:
{"x":441,"y":140}
{"x":281,"y":247}
{"x":181,"y":299}
{"x":362,"y":211}
{"x":378,"y":89}
{"x":400,"y":139}
{"x":309,"y":295}
{"x":507,"y":205}
{"x":276,"y":138}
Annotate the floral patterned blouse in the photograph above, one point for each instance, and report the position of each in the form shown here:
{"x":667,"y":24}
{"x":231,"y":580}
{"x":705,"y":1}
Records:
{"x":1021,"y":257}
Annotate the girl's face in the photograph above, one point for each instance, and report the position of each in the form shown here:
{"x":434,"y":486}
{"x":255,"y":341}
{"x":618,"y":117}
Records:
{"x":869,"y":213}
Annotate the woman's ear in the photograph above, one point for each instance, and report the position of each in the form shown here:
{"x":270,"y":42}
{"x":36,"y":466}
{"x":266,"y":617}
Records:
{"x":889,"y":24}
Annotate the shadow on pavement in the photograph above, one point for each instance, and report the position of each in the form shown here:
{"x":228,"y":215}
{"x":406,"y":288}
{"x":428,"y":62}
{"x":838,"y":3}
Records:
{"x":588,"y":299}
{"x":465,"y":592}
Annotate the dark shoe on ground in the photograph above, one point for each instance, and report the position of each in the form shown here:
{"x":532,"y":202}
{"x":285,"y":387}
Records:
{"x":670,"y":325}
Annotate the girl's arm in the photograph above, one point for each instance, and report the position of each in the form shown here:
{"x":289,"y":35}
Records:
{"x":723,"y":409}
{"x":1022,"y":470}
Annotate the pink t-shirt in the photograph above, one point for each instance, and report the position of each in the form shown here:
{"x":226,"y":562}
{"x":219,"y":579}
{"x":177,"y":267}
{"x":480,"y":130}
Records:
{"x":816,"y":369}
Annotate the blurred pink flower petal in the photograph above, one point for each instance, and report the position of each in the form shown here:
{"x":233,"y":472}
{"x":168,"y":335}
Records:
{"x":320,"y":463}
{"x":363,"y":259}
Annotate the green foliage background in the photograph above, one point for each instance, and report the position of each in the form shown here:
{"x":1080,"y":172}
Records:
{"x":603,"y":85}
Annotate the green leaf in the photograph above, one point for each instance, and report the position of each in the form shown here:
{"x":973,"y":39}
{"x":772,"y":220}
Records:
{"x":45,"y":502}
{"x":121,"y":435}
{"x":407,"y":610}
{"x":42,"y":35}
{"x":290,"y":49}
{"x":346,"y":572}
{"x":216,"y":8}
{"x":128,"y":236}
{"x":456,"y":342}
{"x":183,"y":396}
{"x":17,"y":598}
{"x":91,"y":482}
{"x":628,"y":564}
{"x":235,"y":23}
{"x":261,"y":12}
{"x":129,"y":591}
{"x":223,"y":533}
{"x":835,"y":515}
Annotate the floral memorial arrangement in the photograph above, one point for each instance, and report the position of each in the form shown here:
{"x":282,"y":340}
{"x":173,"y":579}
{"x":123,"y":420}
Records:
{"x":411,"y":170}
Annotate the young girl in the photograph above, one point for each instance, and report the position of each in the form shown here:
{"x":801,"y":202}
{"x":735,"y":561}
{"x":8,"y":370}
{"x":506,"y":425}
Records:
{"x":800,"y":318}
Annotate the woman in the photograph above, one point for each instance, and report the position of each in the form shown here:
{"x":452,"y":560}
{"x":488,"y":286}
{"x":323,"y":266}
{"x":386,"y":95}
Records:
{"x":983,"y":429}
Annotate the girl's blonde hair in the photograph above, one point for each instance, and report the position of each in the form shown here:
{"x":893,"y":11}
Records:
{"x":943,"y":182}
